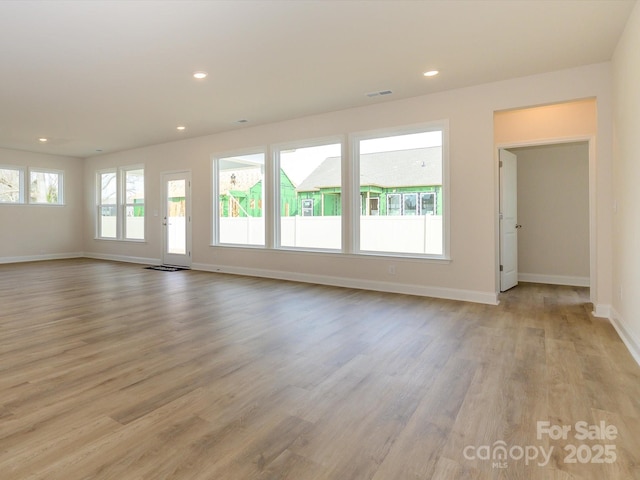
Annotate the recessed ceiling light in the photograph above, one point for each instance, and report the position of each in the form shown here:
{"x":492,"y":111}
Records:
{"x":200,"y":75}
{"x":43,"y":140}
{"x":181,"y":127}
{"x":431,"y":73}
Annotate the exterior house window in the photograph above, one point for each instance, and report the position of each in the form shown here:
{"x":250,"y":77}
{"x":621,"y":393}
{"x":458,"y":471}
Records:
{"x":409,"y":203}
{"x":428,"y":203}
{"x":394,"y":204}
{"x":307,"y":207}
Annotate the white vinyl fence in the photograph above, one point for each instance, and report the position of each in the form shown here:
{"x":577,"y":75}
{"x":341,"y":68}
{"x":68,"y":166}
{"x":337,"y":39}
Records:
{"x":404,"y":234}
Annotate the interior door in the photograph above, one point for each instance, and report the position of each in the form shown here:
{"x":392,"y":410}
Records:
{"x":508,"y":220}
{"x":176,"y":221}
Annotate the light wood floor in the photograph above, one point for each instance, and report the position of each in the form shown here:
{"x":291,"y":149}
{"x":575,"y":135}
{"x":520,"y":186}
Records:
{"x":111,"y":371}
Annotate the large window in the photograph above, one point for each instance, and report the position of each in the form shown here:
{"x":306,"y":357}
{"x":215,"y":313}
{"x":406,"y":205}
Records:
{"x":401,"y":185}
{"x":11,"y":184}
{"x":239,"y":186}
{"x":120,"y":203}
{"x":391,"y":192}
{"x":310,"y":191}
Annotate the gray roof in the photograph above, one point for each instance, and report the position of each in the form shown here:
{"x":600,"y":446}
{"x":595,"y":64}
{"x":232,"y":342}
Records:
{"x":403,"y":168}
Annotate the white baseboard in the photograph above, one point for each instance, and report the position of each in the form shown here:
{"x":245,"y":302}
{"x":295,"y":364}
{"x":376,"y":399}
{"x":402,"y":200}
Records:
{"x":38,"y":258}
{"x":123,"y":258}
{"x":631,"y":341}
{"x":554,"y":279}
{"x":602,"y":311}
{"x":489,"y":298}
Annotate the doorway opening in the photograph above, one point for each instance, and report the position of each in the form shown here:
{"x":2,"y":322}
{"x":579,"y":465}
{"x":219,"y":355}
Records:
{"x":545,"y":214}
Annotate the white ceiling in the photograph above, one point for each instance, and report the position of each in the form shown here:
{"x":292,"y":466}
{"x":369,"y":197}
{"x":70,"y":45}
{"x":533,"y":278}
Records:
{"x":114,"y":75}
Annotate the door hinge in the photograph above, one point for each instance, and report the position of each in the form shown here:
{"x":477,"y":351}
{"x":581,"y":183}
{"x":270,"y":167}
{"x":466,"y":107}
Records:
{"x":501,"y":268}
{"x":500,"y":163}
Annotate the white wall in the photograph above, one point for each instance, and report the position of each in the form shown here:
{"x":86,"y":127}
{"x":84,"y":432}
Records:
{"x":34,"y":232}
{"x":626,"y":219}
{"x":471,"y":273}
{"x":553,"y":208}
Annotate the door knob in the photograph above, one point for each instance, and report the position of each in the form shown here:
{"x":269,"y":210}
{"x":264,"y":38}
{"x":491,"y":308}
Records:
{"x":518,"y":225}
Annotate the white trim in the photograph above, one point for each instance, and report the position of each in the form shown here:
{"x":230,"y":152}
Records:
{"x":593,"y":199}
{"x":123,"y":258}
{"x":38,"y":258}
{"x":630,"y":340}
{"x":554,"y":279}
{"x":602,"y":311}
{"x":489,"y":298}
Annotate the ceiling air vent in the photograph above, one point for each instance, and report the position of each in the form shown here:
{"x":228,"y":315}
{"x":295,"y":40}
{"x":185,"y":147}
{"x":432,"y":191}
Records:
{"x":381,"y":92}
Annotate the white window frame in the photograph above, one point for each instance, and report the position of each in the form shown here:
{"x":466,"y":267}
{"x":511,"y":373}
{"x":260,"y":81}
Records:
{"x":120,"y":205}
{"x":125,"y":204}
{"x":215,"y":195}
{"x":307,"y":211}
{"x":50,"y":171}
{"x":21,"y":183}
{"x":435,"y":202}
{"x":352,"y":185}
{"x":275,"y":172}
{"x":399,"y":210}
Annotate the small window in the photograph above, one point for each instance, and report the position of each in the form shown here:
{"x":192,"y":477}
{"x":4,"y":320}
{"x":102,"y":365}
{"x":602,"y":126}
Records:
{"x":45,"y":187}
{"x":11,"y":185}
{"x":120,"y":203}
{"x":307,"y":207}
{"x":394,"y":204}
{"x":428,"y":203}
{"x":410,"y":204}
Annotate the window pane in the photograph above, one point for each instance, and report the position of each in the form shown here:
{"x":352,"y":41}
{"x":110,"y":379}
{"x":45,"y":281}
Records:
{"x":176,"y":217}
{"x":310,"y":197}
{"x":108,"y":227}
{"x":400,"y":186}
{"x":427,"y":203}
{"x":134,"y":196}
{"x":134,"y":180}
{"x":134,"y":222}
{"x":10,"y":185}
{"x":44,"y":187}
{"x":108,"y":188}
{"x":241,"y":199}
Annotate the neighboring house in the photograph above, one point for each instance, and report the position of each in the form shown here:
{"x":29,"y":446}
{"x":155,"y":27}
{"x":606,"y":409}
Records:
{"x":241,"y":193}
{"x":404,"y":182}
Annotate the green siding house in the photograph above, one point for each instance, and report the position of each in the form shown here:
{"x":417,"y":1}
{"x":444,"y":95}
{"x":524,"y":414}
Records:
{"x":404,"y":182}
{"x":241,"y":194}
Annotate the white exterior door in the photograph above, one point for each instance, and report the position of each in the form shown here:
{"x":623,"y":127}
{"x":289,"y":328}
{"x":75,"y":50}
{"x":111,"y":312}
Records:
{"x":176,"y":222}
{"x":508,"y":220}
